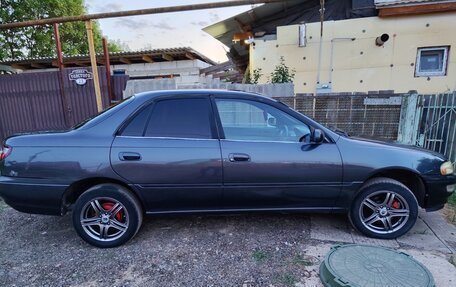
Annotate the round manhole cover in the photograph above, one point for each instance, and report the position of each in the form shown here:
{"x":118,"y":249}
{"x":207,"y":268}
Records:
{"x":362,"y":265}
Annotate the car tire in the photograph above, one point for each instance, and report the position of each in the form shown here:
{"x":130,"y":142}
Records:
{"x":384,"y":208}
{"x":107,"y":215}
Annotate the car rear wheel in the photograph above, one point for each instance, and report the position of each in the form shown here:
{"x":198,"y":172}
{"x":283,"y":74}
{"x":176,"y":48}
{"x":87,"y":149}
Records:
{"x":107,"y":215}
{"x":384,"y":208}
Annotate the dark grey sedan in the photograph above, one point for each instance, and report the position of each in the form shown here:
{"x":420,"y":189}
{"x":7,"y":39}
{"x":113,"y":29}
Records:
{"x":205,"y":151}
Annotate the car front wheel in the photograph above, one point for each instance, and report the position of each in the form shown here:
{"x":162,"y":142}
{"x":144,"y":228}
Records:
{"x":384,"y":208}
{"x":107,"y":215}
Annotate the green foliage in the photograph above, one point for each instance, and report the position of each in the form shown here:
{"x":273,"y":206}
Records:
{"x":261,"y":256}
{"x":282,"y":74}
{"x":287,"y":279}
{"x":38,"y":41}
{"x":255,"y":77}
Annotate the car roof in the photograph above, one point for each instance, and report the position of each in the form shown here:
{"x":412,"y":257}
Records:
{"x":153,"y":94}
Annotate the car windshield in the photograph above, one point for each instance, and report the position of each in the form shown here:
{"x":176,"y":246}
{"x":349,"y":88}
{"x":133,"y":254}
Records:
{"x":112,"y":108}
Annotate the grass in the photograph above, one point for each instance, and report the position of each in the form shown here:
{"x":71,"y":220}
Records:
{"x":450,"y":209}
{"x":452,"y":201}
{"x":2,"y":205}
{"x":287,"y":279}
{"x":261,"y":256}
{"x":302,"y":260}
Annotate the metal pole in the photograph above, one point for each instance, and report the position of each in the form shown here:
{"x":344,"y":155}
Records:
{"x":65,"y":107}
{"x":93,"y":61}
{"x":322,"y":19}
{"x":108,"y":68}
{"x":149,"y":11}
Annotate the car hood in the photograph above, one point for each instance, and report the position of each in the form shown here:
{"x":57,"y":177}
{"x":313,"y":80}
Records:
{"x":396,"y":146}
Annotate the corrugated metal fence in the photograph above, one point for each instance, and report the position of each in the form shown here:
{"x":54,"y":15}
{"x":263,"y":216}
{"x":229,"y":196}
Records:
{"x":32,"y":101}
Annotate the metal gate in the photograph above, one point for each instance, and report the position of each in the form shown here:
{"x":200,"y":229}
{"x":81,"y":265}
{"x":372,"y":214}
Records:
{"x":437,"y":128}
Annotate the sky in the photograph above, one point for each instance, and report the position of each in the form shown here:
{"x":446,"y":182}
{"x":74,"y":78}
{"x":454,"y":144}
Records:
{"x":170,"y":30}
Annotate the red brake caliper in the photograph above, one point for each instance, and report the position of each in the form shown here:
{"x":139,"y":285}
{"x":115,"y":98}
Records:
{"x":108,"y":206}
{"x":396,"y":204}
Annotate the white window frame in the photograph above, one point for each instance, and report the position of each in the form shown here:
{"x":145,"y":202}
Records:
{"x":440,"y":73}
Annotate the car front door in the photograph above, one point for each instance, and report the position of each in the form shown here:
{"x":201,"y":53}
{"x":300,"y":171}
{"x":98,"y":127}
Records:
{"x":168,"y":150}
{"x":266,"y":166}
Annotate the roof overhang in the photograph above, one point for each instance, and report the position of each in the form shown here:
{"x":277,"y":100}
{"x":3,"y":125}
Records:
{"x":116,"y":58}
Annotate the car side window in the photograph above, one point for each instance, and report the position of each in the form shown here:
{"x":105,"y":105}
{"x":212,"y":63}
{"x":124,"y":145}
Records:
{"x":254,"y":121}
{"x":137,"y":125}
{"x":180,"y":118}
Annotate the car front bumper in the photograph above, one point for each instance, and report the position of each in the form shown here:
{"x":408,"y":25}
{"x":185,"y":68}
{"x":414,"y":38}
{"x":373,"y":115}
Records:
{"x":438,"y":189}
{"x":32,"y":195}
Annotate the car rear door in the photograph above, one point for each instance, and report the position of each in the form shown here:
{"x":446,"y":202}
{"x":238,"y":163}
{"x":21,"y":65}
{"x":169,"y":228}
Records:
{"x":170,"y":152}
{"x":264,"y":164}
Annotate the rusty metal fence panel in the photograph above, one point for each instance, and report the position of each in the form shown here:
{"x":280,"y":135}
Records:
{"x":371,"y":116}
{"x":437,"y":128}
{"x":32,"y":101}
{"x":29,"y":102}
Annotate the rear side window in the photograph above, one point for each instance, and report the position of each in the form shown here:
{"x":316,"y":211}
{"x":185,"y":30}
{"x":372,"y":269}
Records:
{"x":180,"y":118}
{"x":137,"y":125}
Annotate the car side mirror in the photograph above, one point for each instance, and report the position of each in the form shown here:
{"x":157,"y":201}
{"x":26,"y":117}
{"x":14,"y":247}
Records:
{"x":317,"y":136}
{"x":272,"y":122}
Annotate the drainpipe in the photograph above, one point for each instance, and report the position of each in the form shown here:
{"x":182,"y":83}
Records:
{"x":332,"y":54}
{"x":322,"y":19}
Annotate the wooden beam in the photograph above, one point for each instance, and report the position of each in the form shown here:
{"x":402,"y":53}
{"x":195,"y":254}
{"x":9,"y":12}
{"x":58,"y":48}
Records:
{"x":124,"y":60}
{"x":55,"y":64}
{"x":38,"y":66}
{"x":190,"y":56}
{"x":147,"y":59}
{"x":417,"y":9}
{"x":167,"y":57}
{"x":238,"y":37}
{"x":19,"y":67}
{"x":93,"y":61}
{"x":81,"y":64}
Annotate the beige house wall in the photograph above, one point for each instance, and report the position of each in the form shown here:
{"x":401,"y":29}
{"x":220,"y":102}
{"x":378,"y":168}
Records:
{"x":361,"y":65}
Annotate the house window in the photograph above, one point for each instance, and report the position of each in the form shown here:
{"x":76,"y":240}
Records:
{"x":431,"y":62}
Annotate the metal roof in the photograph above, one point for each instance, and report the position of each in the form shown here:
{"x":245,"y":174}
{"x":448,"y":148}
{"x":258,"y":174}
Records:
{"x":388,"y":3}
{"x":116,"y":58}
{"x":266,"y":18}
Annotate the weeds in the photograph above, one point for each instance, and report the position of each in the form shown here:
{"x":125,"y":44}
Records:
{"x":261,"y":256}
{"x":287,"y":279}
{"x":303,"y":260}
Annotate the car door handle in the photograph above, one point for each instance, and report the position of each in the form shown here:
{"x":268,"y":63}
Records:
{"x":238,"y":157}
{"x":129,"y":156}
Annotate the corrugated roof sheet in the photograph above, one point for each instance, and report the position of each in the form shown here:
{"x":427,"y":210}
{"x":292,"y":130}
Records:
{"x":170,"y":51}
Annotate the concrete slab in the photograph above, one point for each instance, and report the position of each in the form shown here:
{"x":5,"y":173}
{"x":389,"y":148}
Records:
{"x":422,"y":237}
{"x":330,"y":228}
{"x":442,"y":229}
{"x":361,"y":239}
{"x":431,"y":232}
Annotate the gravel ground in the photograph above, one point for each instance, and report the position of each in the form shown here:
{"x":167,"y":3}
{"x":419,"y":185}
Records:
{"x":242,"y":250}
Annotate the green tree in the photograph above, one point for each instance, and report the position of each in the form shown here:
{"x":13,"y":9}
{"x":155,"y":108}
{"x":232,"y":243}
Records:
{"x":38,"y":41}
{"x":282,"y":74}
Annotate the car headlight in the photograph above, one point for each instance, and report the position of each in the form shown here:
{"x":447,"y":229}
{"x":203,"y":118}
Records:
{"x":446,"y":168}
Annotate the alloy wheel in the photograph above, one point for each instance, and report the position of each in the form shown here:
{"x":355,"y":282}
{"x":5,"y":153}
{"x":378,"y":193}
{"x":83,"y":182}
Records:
{"x":384,"y":212}
{"x":104,"y":219}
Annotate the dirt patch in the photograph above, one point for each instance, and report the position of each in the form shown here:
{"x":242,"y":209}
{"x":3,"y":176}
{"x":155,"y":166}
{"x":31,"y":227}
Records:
{"x":242,"y":250}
